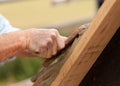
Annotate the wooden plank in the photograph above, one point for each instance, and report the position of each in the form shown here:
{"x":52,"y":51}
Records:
{"x":91,"y":45}
{"x":52,"y":66}
{"x":106,"y":70}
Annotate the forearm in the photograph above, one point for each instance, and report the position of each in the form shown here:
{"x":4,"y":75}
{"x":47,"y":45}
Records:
{"x":10,"y":44}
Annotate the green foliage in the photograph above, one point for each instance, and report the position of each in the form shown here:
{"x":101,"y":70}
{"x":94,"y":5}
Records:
{"x":20,"y":68}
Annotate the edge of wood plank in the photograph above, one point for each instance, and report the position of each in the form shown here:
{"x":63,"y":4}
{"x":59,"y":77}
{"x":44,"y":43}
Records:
{"x":91,"y":45}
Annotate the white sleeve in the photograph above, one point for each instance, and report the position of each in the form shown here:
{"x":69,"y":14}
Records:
{"x":5,"y":27}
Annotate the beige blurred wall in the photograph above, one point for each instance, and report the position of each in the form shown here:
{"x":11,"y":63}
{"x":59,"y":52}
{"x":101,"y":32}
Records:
{"x":40,"y":13}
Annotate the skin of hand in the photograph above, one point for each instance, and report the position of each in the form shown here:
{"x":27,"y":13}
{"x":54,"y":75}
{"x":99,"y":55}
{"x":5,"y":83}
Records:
{"x":43,"y":42}
{"x":32,"y":42}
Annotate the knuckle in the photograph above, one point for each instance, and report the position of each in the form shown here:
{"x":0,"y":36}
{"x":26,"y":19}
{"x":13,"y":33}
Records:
{"x":54,"y":30}
{"x":43,"y":45}
{"x":53,"y":35}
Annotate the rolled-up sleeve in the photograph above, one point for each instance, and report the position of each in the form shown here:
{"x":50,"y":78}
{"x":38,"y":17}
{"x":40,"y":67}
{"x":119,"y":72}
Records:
{"x":5,"y":27}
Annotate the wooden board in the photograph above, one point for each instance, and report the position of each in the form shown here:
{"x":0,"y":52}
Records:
{"x":51,"y":67}
{"x":91,"y":45}
{"x":106,"y":70}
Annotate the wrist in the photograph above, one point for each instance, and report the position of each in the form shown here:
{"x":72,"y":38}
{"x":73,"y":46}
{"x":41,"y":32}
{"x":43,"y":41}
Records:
{"x":22,"y":40}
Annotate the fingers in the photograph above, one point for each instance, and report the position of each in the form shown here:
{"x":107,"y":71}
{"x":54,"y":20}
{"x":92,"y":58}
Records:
{"x":45,"y":49}
{"x":49,"y":49}
{"x":55,"y":46}
{"x":60,"y":40}
{"x":41,"y":51}
{"x":46,"y":42}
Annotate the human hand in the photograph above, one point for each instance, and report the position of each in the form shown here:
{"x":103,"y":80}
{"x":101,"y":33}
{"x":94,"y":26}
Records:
{"x":43,"y":42}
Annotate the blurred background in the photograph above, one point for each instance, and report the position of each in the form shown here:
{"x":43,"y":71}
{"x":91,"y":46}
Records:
{"x":64,"y":15}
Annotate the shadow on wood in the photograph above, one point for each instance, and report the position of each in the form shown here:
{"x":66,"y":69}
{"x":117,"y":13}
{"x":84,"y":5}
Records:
{"x":106,"y":70}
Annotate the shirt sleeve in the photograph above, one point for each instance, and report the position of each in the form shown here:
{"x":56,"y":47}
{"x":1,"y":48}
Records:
{"x":5,"y":27}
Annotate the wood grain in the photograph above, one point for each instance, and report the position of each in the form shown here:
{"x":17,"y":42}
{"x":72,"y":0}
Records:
{"x":52,"y":66}
{"x":77,"y":33}
{"x":91,"y":45}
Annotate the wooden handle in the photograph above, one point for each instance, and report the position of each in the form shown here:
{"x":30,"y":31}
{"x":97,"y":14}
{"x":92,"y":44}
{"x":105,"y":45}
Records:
{"x":68,"y":42}
{"x":53,"y":65}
